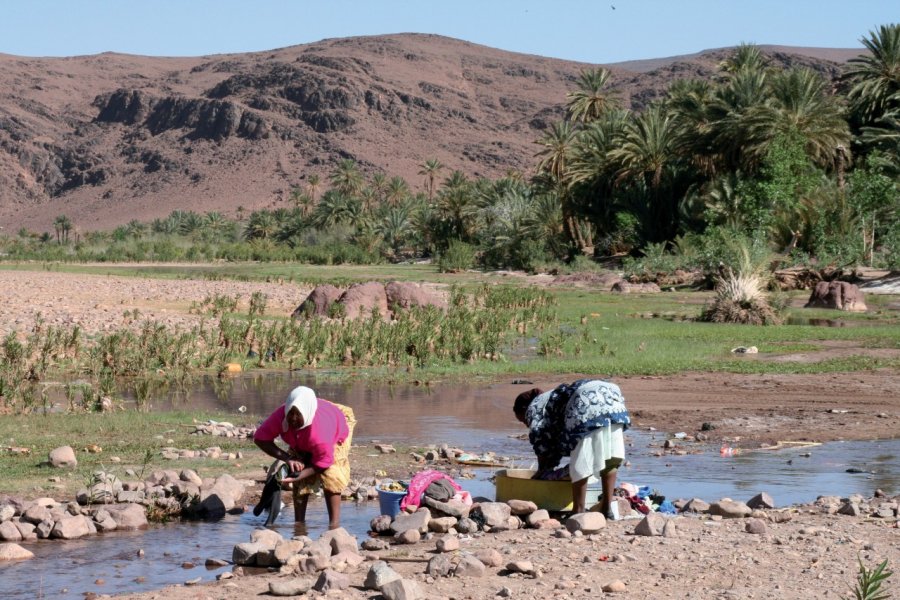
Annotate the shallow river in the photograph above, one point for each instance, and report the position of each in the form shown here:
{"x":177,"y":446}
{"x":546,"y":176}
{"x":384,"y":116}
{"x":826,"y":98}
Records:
{"x":463,"y":416}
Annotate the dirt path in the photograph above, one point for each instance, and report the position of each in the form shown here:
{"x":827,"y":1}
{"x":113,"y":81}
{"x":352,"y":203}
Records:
{"x":98,"y":302}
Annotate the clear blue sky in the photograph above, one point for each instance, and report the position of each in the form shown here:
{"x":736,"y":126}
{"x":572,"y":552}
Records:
{"x":587,"y":30}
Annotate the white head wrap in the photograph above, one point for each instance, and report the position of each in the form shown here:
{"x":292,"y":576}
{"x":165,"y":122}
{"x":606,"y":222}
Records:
{"x":304,"y":400}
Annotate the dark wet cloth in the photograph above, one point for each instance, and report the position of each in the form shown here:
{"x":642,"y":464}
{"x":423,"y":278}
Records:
{"x":270,"y":500}
{"x":440,"y":490}
{"x":557,"y":420}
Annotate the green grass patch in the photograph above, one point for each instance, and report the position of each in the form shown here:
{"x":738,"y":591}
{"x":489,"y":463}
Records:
{"x":130,"y":436}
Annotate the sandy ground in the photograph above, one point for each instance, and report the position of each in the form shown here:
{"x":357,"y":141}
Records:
{"x":814,"y":555}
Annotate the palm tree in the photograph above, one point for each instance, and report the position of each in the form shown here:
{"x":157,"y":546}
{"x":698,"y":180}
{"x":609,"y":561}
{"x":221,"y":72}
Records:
{"x":261,"y":225}
{"x":648,"y":144}
{"x":557,"y":149}
{"x":651,"y":146}
{"x":800,"y":104}
{"x":558,"y":146}
{"x":455,"y":204}
{"x":747,"y":57}
{"x":397,"y":190}
{"x":430,"y":169}
{"x":395,"y":227}
{"x":188,"y":222}
{"x":336,"y":208}
{"x":60,"y":225}
{"x":379,"y":186}
{"x":215,"y":222}
{"x":875,"y":77}
{"x":590,"y":100}
{"x":136,"y":229}
{"x":728,"y":109}
{"x":313,"y":183}
{"x":346,"y":178}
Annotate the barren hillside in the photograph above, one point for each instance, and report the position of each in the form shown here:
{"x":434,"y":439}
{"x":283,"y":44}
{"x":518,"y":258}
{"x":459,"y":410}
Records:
{"x":109,"y":138}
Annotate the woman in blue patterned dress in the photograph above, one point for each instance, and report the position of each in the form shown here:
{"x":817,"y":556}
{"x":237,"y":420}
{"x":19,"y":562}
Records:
{"x":584,"y":420}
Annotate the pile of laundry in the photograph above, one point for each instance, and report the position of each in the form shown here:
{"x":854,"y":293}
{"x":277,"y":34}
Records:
{"x":644,"y":500}
{"x":435,"y":485}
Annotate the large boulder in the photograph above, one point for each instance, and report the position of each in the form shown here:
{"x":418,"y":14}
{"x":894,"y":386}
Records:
{"x":9,"y":532}
{"x":14,"y":552}
{"x":730,"y":509}
{"x":586,"y":523}
{"x":222,"y":496}
{"x":417,"y":520}
{"x":403,"y":295}
{"x":493,"y":514}
{"x":70,"y":528}
{"x":318,"y":303}
{"x":361,"y":299}
{"x":128,"y":516}
{"x":839,"y":295}
{"x":63,"y":458}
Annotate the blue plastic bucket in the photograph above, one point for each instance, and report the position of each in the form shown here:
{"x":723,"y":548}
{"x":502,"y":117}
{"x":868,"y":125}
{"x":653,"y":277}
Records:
{"x":389,"y":502}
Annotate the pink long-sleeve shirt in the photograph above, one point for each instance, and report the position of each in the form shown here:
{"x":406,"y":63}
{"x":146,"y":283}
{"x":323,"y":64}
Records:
{"x":329,"y":428}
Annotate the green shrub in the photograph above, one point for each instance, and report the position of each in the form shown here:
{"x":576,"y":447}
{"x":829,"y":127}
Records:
{"x":459,"y":256}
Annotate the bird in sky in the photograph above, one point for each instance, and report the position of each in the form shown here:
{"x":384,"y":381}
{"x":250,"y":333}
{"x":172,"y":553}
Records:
{"x":612,"y":7}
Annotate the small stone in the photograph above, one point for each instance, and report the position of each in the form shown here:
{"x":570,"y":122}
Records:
{"x":761,"y":500}
{"x":586,"y":523}
{"x":522,"y":507}
{"x":331,"y":580}
{"x":380,"y":573}
{"x":10,"y":552}
{"x":375,"y":544}
{"x":63,"y":457}
{"x":439,"y":566}
{"x":447,"y":544}
{"x":292,"y":587}
{"x":469,"y":566}
{"x":489,"y":557}
{"x":614,"y":587}
{"x":410,"y":536}
{"x":401,"y":589}
{"x":756,"y":526}
{"x":521,"y":566}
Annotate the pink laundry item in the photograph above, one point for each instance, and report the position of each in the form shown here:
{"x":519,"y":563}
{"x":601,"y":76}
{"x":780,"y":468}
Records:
{"x":328,"y":428}
{"x":419,"y":484}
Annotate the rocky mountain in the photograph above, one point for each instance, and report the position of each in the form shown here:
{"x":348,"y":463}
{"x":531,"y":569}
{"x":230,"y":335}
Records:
{"x":109,"y":138}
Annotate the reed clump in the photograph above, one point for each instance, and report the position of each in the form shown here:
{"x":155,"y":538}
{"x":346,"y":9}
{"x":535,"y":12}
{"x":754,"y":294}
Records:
{"x":478,"y":325}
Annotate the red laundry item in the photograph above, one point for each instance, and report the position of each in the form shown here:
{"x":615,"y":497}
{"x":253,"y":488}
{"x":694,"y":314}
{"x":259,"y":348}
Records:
{"x":638,"y":505}
{"x":419,"y":484}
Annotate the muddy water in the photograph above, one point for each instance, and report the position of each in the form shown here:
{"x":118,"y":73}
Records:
{"x":467,"y":416}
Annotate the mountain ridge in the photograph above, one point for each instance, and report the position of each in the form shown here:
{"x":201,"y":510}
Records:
{"x":112,"y":137}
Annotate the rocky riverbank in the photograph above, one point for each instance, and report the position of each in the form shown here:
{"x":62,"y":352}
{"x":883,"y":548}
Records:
{"x":727,"y":551}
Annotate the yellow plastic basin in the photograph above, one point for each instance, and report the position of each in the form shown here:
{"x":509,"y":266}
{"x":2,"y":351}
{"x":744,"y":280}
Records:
{"x":517,"y":484}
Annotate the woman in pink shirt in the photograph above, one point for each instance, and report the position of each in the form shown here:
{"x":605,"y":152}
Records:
{"x":318,"y":434}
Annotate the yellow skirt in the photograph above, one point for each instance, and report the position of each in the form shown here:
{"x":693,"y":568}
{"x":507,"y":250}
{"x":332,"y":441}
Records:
{"x":336,"y":477}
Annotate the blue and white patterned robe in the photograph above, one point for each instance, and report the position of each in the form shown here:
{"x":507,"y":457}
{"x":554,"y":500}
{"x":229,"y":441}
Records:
{"x":557,"y":420}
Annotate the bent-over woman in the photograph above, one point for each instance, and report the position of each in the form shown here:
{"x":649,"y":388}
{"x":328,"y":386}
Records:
{"x":584,"y":420}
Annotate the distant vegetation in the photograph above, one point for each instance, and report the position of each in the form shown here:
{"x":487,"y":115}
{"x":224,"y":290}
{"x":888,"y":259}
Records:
{"x":758,"y":156}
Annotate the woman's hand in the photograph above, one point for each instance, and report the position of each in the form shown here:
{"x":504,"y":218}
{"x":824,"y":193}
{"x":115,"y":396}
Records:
{"x":302,"y":474}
